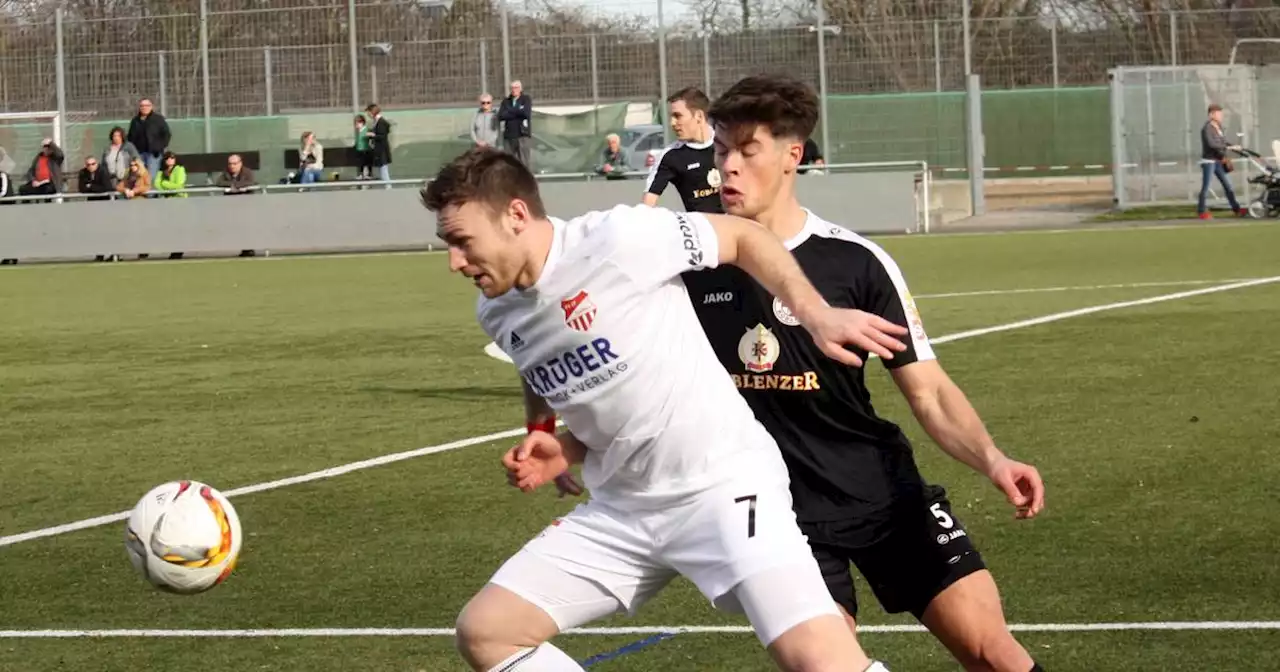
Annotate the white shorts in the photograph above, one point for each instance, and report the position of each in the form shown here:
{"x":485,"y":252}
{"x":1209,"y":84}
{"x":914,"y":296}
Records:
{"x":599,"y":560}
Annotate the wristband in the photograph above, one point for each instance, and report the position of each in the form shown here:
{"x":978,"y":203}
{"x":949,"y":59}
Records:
{"x":548,"y":426}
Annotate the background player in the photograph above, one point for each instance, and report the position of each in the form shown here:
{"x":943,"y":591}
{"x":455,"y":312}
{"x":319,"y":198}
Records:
{"x":858,"y":494}
{"x":689,"y":162}
{"x":683,"y":479}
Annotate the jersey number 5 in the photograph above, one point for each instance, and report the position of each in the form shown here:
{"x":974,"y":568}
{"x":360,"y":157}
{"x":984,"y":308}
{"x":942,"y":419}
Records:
{"x":945,"y":520}
{"x":751,"y":513}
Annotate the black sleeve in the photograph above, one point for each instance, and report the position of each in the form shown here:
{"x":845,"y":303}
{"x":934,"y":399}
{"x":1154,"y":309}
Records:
{"x":883,"y":291}
{"x":165,"y":134}
{"x":659,"y":176}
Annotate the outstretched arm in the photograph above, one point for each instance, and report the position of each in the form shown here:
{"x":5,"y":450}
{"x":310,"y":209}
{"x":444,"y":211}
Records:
{"x":758,"y":251}
{"x":942,"y":409}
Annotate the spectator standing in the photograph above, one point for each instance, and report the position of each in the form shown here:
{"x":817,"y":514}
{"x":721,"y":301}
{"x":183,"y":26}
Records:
{"x":94,"y":179}
{"x":1214,"y":162}
{"x":362,"y":149}
{"x":615,"y":161}
{"x":45,"y":174}
{"x":484,"y":127}
{"x":118,"y":155}
{"x":516,"y":114}
{"x":149,"y":133}
{"x":311,"y":154}
{"x":172,"y":177}
{"x":380,"y":142}
{"x":137,"y":183}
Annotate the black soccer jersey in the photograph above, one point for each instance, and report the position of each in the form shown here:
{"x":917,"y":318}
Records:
{"x":691,"y":167}
{"x":845,"y":461}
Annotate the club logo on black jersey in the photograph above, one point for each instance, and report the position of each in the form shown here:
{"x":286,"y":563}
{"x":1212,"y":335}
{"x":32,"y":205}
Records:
{"x":713,"y":179}
{"x":783,"y":313}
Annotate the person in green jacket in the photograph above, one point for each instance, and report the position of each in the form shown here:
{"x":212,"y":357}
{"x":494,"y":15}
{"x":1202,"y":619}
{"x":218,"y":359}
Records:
{"x":172,"y":177}
{"x":363,"y":150}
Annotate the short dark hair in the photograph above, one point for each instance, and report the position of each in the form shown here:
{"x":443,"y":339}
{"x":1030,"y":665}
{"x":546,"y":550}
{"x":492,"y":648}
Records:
{"x":373,"y":109}
{"x":786,"y":106}
{"x":693,"y":98}
{"x":483,"y":175}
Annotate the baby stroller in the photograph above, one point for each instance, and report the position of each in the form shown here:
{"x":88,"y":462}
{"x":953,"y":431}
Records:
{"x":1266,"y":204}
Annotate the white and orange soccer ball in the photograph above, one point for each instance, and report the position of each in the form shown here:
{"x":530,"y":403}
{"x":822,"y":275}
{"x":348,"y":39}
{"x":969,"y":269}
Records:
{"x":183,"y":537}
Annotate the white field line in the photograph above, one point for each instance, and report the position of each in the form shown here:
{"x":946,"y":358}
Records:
{"x":478,"y":440}
{"x":639,"y":630}
{"x":1081,"y":288}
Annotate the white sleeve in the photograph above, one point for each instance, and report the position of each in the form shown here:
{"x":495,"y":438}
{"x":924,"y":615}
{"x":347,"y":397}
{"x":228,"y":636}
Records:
{"x":654,"y":245}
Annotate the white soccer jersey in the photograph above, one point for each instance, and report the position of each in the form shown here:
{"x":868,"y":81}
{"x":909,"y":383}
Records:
{"x":609,"y":338}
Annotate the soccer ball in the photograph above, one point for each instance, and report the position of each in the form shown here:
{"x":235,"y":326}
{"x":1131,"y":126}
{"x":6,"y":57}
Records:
{"x":183,"y":537}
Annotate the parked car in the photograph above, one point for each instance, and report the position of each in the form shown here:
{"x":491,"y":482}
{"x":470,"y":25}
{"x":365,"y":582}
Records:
{"x":644,"y":143}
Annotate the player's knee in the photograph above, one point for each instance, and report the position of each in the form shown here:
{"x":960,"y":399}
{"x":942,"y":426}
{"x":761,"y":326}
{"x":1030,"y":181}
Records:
{"x":995,"y":650}
{"x":494,"y":623}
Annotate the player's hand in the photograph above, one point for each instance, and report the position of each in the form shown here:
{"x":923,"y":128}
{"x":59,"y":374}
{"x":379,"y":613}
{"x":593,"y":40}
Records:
{"x":566,"y":484}
{"x":1021,"y":484}
{"x":535,"y":461}
{"x":835,"y":328}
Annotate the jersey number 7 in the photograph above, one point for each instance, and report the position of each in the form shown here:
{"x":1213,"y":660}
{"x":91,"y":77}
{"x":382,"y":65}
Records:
{"x":751,"y":513}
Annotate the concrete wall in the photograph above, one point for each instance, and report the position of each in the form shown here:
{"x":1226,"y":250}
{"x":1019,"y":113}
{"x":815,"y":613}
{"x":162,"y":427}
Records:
{"x":372,"y":219}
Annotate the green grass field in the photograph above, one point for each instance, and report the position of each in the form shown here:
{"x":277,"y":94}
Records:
{"x":1155,"y":427}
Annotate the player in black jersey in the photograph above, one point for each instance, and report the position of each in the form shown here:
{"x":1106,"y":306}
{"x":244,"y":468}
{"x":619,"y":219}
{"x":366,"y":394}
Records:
{"x":689,"y":162}
{"x":857,"y":492}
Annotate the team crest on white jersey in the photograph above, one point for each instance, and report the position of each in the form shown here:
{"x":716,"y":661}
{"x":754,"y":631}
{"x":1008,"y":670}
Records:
{"x":579,"y":311}
{"x":759,"y":349}
{"x":783,"y":313}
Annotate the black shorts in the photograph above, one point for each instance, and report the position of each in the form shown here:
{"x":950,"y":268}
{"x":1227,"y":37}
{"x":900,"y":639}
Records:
{"x":923,"y":550}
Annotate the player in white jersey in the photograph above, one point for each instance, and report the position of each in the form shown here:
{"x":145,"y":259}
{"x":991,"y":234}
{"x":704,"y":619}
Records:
{"x":683,"y":479}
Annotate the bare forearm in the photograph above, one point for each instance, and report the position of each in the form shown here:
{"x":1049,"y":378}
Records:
{"x":575,"y":451}
{"x":536,"y":409}
{"x":951,"y":421}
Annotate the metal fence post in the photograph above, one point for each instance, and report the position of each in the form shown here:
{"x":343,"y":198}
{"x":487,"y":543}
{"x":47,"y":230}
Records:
{"x":822,"y":80}
{"x":595,"y":85}
{"x":1053,"y":44}
{"x":484,"y":67}
{"x":353,"y":54}
{"x":1173,"y":38}
{"x":968,"y":48}
{"x":506,"y":44}
{"x":975,"y":143}
{"x":1150,"y":159}
{"x":164,"y":84}
{"x":204,"y":75}
{"x":662,"y":74}
{"x":266,"y":67}
{"x":937,"y":57}
{"x":60,"y":81}
{"x":706,"y":61}
{"x":1118,"y":158}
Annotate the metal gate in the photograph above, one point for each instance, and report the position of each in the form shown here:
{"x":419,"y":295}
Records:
{"x":1156,"y":117}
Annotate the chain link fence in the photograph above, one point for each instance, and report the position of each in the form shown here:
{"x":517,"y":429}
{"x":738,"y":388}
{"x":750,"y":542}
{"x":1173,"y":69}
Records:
{"x":893,"y":82}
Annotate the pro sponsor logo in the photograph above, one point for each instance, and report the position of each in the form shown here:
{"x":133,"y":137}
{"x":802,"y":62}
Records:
{"x":579,"y":311}
{"x":690,"y":240}
{"x":783,"y":313}
{"x":576,"y":370}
